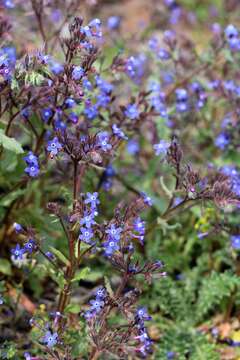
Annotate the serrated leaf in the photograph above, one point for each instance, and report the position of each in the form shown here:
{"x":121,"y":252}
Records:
{"x":5,"y":267}
{"x":81,"y":274}
{"x":10,"y":143}
{"x":59,"y":255}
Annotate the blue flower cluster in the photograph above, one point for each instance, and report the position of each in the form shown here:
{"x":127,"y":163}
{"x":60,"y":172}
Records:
{"x":145,"y":346}
{"x":87,"y":221}
{"x":97,"y":304}
{"x":232,"y":37}
{"x":54,"y":146}
{"x":112,"y":243}
{"x":32,"y":168}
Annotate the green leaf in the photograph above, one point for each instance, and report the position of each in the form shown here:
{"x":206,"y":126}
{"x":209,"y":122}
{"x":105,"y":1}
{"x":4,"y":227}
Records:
{"x":73,"y":308}
{"x":81,"y":274}
{"x":5,"y":267}
{"x":60,"y":255}
{"x":10,"y":143}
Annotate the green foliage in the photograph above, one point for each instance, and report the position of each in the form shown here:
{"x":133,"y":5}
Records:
{"x":10,"y":143}
{"x":186,"y":344}
{"x":215,"y":290}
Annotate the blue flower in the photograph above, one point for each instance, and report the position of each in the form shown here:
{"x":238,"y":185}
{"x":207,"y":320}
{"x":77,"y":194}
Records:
{"x":103,"y":85}
{"x":147,"y":200}
{"x":50,"y":339}
{"x":181,"y":94}
{"x":103,"y":138}
{"x":114,"y":233}
{"x":110,"y":247}
{"x":231,"y":31}
{"x":101,"y":293}
{"x":32,"y":170}
{"x":235,"y":242}
{"x":113,"y":22}
{"x":18,"y":252}
{"x":87,"y":84}
{"x":31,"y":159}
{"x":95,"y":26}
{"x":70,"y":103}
{"x":92,"y":199}
{"x":133,"y":147}
{"x":54,"y":146}
{"x":182,"y":100}
{"x":161,"y":148}
{"x":8,"y":4}
{"x":222,"y":141}
{"x":46,"y":114}
{"x":77,"y":73}
{"x":90,"y":111}
{"x":142,"y":314}
{"x":139,"y":225}
{"x":1,"y":299}
{"x":30,"y":246}
{"x":56,"y":68}
{"x":86,"y":235}
{"x":96,"y":305}
{"x":88,"y":220}
{"x":132,"y":111}
{"x":73,"y":117}
{"x":118,"y":132}
{"x":163,"y":54}
{"x":18,"y":228}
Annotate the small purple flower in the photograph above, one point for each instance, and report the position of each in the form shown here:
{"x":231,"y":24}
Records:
{"x":161,"y":148}
{"x":92,"y":199}
{"x":95,"y":26}
{"x":56,"y":68}
{"x":133,"y":147}
{"x":31,"y":159}
{"x":132,"y":111}
{"x":139,"y":225}
{"x":101,"y":293}
{"x":9,"y":4}
{"x":50,"y":255}
{"x":88,"y":220}
{"x":73,"y":117}
{"x":181,"y":95}
{"x":103,"y":138}
{"x":86,"y":235}
{"x":235,"y":242}
{"x":1,"y":299}
{"x":114,"y":233}
{"x":18,"y":228}
{"x":118,"y":132}
{"x":96,"y":305}
{"x":77,"y":73}
{"x":70,"y":103}
{"x":54,"y":146}
{"x":18,"y":252}
{"x":113,"y":22}
{"x":142,"y":314}
{"x":231,"y":32}
{"x":50,"y":339}
{"x":110,"y":247}
{"x":222,"y":141}
{"x":32,"y":170}
{"x":163,"y":54}
{"x":90,"y":111}
{"x":147,"y":199}
{"x":103,"y":85}
{"x":30,"y":246}
{"x":46,"y":114}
